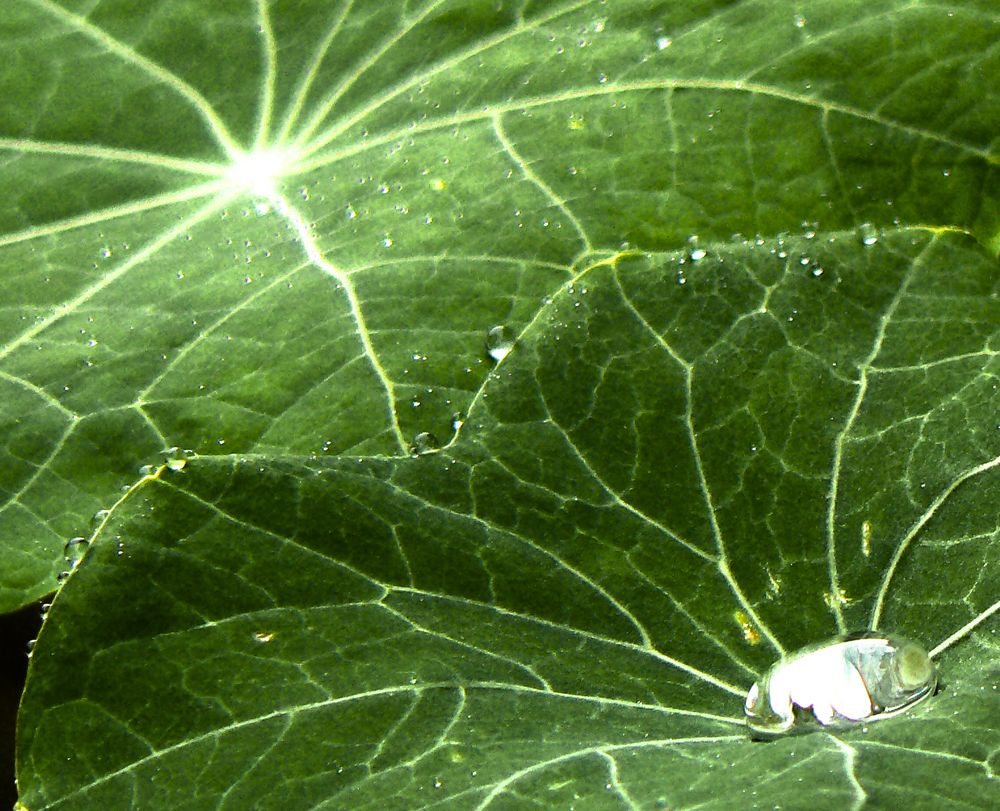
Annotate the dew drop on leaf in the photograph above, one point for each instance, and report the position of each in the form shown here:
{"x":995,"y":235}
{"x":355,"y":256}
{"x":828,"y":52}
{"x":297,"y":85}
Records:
{"x":843,"y":682}
{"x":499,"y":342}
{"x":177,"y":458}
{"x":423,"y":443}
{"x":74,"y":550}
{"x":867,"y":233}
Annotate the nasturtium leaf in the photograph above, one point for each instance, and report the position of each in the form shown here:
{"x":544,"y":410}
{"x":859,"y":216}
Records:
{"x":743,"y":262}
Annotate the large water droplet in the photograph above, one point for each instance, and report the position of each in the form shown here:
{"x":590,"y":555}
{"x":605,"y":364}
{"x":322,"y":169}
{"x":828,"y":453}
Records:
{"x":499,"y":342}
{"x":423,"y":443}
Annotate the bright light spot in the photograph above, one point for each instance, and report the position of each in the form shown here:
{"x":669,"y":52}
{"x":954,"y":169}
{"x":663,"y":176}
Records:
{"x":258,"y":172}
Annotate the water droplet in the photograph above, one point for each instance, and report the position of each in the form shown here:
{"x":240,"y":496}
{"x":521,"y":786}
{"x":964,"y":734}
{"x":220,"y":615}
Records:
{"x":100,"y":517}
{"x":457,"y":420}
{"x":387,"y":242}
{"x":74,"y":550}
{"x":30,"y":646}
{"x":147,"y":470}
{"x":800,"y":21}
{"x":874,"y":677}
{"x":499,"y":342}
{"x":663,"y":42}
{"x":177,"y":458}
{"x":423,"y":443}
{"x":867,"y":233}
{"x":697,"y":253}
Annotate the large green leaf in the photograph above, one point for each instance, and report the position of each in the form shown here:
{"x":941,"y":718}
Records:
{"x":274,"y":232}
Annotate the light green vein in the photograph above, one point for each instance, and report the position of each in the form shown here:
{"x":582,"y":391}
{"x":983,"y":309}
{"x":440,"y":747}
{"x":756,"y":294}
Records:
{"x":659,"y":656}
{"x":621,"y":502}
{"x":323,"y":108}
{"x":842,"y":437}
{"x":850,"y":768}
{"x":500,"y":787}
{"x":588,"y":581}
{"x":158,"y":72}
{"x":575,"y":94}
{"x":416,"y":689}
{"x":144,"y":396}
{"x":316,"y":258}
{"x":965,"y":629}
{"x":270,"y":53}
{"x":113,"y":213}
{"x":308,"y":148}
{"x":918,"y":525}
{"x":30,"y":146}
{"x":306,"y":81}
{"x":111,"y":277}
{"x":41,"y":393}
{"x":534,"y":178}
{"x":722,"y":559}
{"x":40,"y":468}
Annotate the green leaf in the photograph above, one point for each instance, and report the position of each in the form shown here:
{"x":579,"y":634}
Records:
{"x":749,"y":257}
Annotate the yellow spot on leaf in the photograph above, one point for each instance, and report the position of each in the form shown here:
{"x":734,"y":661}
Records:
{"x":750,"y":634}
{"x":834,"y":600}
{"x":264,"y":636}
{"x":439,"y":185}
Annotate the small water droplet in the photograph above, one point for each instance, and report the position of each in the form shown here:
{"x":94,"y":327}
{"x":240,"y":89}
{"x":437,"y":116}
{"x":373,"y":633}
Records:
{"x":423,"y":443}
{"x":663,"y":42}
{"x":457,"y":420}
{"x":100,"y":516}
{"x":800,"y":21}
{"x":177,"y":458}
{"x":499,"y":342}
{"x":147,"y":470}
{"x":867,"y":233}
{"x":74,"y":550}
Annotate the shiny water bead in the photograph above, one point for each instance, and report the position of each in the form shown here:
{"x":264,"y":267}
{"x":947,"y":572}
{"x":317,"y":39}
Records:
{"x":840,"y":683}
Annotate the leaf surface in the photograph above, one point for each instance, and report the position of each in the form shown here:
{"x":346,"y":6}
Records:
{"x":749,"y":258}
